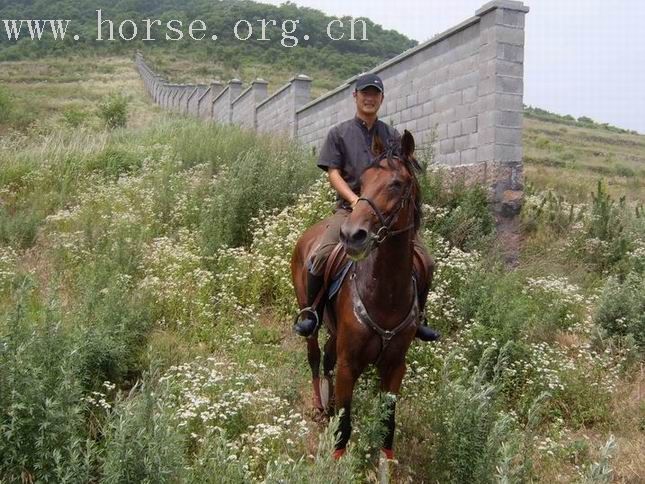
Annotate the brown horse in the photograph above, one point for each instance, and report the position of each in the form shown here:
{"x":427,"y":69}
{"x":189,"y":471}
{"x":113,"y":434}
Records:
{"x":374,"y":316}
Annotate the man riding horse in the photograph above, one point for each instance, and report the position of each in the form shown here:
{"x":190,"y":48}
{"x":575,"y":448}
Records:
{"x":350,"y":148}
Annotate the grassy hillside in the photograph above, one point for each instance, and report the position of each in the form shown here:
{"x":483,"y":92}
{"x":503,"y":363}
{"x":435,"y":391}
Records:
{"x":146,"y":305}
{"x":571,"y":158}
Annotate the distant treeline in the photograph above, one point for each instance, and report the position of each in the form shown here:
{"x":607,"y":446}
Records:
{"x":343,"y":58}
{"x":581,"y":122}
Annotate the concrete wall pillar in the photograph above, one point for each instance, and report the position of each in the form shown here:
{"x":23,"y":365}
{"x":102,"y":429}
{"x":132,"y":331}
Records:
{"x":234,"y":90}
{"x":301,"y":85}
{"x":260,"y":90}
{"x":500,"y":91}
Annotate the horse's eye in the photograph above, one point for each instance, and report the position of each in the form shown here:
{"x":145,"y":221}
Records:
{"x":395,"y":186}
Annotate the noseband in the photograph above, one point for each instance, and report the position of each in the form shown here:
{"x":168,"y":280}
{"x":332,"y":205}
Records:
{"x":384,"y":231}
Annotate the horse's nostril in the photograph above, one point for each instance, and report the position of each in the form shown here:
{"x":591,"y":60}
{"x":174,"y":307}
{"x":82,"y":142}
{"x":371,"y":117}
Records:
{"x":353,"y":237}
{"x":359,"y":236}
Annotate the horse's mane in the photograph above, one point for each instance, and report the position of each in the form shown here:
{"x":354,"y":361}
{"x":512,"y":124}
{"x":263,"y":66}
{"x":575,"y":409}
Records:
{"x":393,"y":152}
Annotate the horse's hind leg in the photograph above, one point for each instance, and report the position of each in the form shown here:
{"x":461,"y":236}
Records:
{"x":329,"y":362}
{"x":391,"y":378}
{"x":313,"y":356}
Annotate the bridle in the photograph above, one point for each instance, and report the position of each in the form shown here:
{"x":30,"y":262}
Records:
{"x":384,"y":231}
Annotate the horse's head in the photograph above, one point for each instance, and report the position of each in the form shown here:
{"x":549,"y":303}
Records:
{"x":389,"y":204}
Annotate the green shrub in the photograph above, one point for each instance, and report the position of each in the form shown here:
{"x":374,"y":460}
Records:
{"x":474,"y":440}
{"x":567,"y":156}
{"x":19,"y":228}
{"x":585,"y":399}
{"x":605,"y":222}
{"x":323,"y":469}
{"x":255,"y":181}
{"x":113,"y":110}
{"x":553,"y":212}
{"x":605,"y":242}
{"x":141,"y":442}
{"x":542,"y":142}
{"x":114,"y":161}
{"x":487,"y":299}
{"x":624,"y":170}
{"x":601,"y":471}
{"x":621,"y":308}
{"x":110,"y":320}
{"x":462,"y":215}
{"x":214,"y":462}
{"x":267,"y":263}
{"x":73,"y":117}
{"x":42,"y":416}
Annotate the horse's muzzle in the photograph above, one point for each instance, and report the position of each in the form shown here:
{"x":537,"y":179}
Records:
{"x":356,"y":241}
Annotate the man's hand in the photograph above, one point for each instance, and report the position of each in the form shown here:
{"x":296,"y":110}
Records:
{"x":341,"y":186}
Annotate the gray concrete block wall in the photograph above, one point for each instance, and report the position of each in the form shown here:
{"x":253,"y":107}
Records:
{"x":277,"y":113}
{"x":178,"y":91}
{"x":221,"y":110}
{"x":273,"y":114}
{"x":187,"y":92}
{"x":175,"y":95}
{"x":205,"y":102}
{"x":193,"y":100}
{"x":315,"y":119}
{"x":164,"y":95}
{"x":173,"y":102}
{"x":460,"y":94}
{"x":244,"y":106}
{"x":202,"y":102}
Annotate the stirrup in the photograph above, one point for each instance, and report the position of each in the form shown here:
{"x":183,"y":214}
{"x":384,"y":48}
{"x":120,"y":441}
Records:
{"x":309,"y":310}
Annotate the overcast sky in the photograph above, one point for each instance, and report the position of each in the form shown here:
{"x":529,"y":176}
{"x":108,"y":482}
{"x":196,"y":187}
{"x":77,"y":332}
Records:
{"x":582,"y":57}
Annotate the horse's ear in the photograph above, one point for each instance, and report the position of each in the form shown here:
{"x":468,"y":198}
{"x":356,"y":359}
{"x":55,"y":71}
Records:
{"x":407,"y":145}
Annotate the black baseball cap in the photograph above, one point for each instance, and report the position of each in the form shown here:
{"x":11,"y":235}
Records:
{"x":366,"y":80}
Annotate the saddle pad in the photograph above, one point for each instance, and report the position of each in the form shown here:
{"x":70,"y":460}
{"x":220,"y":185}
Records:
{"x":339,"y":277}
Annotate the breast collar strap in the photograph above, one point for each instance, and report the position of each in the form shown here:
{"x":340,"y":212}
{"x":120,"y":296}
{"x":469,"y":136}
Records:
{"x":360,"y":311}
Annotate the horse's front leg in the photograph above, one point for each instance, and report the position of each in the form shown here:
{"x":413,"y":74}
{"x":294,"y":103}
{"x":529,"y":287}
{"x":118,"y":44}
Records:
{"x":329,"y":363}
{"x":313,"y":356}
{"x":391,"y":378}
{"x":346,"y":377}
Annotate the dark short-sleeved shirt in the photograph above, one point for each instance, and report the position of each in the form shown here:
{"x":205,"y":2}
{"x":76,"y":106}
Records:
{"x":348,"y":148}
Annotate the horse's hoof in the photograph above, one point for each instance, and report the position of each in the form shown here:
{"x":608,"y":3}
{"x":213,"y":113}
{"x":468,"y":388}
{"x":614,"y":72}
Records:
{"x":338,"y":453}
{"x":319,"y":416}
{"x":388,"y":454}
